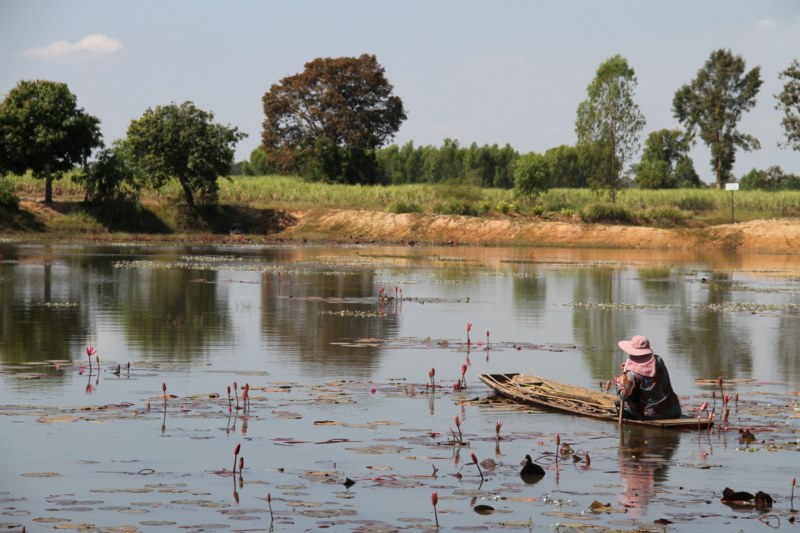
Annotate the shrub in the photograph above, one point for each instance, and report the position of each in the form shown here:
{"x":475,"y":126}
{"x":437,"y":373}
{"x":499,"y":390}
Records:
{"x":455,"y":208}
{"x":695,"y":203}
{"x":7,"y":196}
{"x":665,"y":216}
{"x":400,"y":206}
{"x":606,"y":212}
{"x":504,"y":207}
{"x":76,"y":222}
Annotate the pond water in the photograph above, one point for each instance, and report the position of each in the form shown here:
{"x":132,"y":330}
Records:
{"x":339,"y":387}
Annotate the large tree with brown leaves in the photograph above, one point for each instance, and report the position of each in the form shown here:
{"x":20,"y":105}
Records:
{"x":337,"y":109}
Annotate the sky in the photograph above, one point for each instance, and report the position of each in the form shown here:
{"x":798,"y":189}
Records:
{"x":490,"y":72}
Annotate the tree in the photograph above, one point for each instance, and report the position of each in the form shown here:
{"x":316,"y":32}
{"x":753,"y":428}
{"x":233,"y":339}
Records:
{"x":532,"y":175}
{"x":109,"y":179}
{"x":568,"y":166}
{"x":43,"y":130}
{"x":772,"y":179}
{"x":346,"y":101}
{"x":258,"y":165}
{"x":789,"y":103}
{"x":714,"y":103}
{"x":182,"y":142}
{"x":665,"y":162}
{"x":609,"y":123}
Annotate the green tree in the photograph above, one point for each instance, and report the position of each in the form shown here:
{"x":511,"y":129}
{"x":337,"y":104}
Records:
{"x":258,"y":165}
{"x":109,"y":178}
{"x":532,"y":175}
{"x":789,"y":103}
{"x":609,"y":123}
{"x":665,"y":162}
{"x":182,"y":142}
{"x":772,"y":179}
{"x":346,"y":101}
{"x":568,"y":166}
{"x":43,"y":130}
{"x":714,"y":103}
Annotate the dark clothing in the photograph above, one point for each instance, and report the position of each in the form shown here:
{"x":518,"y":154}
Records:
{"x":649,"y":398}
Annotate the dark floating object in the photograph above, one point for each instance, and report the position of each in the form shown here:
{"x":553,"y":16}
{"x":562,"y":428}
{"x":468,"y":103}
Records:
{"x":348,"y":483}
{"x":746,"y":436}
{"x":483,"y":509}
{"x":662,"y":521}
{"x":531,"y":472}
{"x":761,"y":500}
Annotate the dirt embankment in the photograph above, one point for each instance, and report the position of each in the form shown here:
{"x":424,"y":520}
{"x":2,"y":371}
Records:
{"x":358,"y":226}
{"x":774,"y":236}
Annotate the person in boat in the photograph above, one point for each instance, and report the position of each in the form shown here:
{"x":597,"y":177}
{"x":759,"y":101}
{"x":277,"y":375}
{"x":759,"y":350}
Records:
{"x":644,"y":386}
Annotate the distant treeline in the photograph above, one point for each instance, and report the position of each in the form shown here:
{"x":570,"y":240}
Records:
{"x":483,"y":166}
{"x":494,"y":167}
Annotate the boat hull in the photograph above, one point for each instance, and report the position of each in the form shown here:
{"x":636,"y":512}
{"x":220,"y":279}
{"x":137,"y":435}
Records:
{"x":577,"y":401}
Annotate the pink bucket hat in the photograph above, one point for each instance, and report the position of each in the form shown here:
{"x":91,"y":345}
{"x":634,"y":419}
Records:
{"x":640,"y":356}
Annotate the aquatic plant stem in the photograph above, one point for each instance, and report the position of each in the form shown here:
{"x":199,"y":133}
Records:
{"x":434,"y":501}
{"x":477,"y":465}
{"x":269,"y":504}
{"x":235,"y":455}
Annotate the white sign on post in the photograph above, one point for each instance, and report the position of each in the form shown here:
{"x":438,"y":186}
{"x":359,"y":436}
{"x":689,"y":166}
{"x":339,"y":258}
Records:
{"x":732,"y":187}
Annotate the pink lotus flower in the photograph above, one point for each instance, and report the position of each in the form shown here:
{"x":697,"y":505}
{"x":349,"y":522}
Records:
{"x":469,"y":327}
{"x":90,"y":351}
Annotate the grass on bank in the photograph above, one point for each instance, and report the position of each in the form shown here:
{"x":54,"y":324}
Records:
{"x":260,"y":198}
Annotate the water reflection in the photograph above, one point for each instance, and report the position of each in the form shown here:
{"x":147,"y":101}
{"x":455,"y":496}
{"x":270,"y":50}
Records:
{"x":715,"y":342}
{"x":644,"y":459}
{"x":316,"y":308}
{"x":41,"y":313}
{"x":326,"y":322}
{"x":599,"y":328}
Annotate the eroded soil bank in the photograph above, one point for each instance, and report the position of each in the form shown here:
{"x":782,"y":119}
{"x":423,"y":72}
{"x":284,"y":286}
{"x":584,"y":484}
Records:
{"x":36,"y":221}
{"x":773,"y":236}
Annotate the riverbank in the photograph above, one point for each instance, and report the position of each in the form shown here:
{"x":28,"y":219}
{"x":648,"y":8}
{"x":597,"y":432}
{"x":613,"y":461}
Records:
{"x":35,"y":221}
{"x":772,"y":236}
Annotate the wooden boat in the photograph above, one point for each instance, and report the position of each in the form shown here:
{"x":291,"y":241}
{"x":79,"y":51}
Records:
{"x":573,"y":400}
